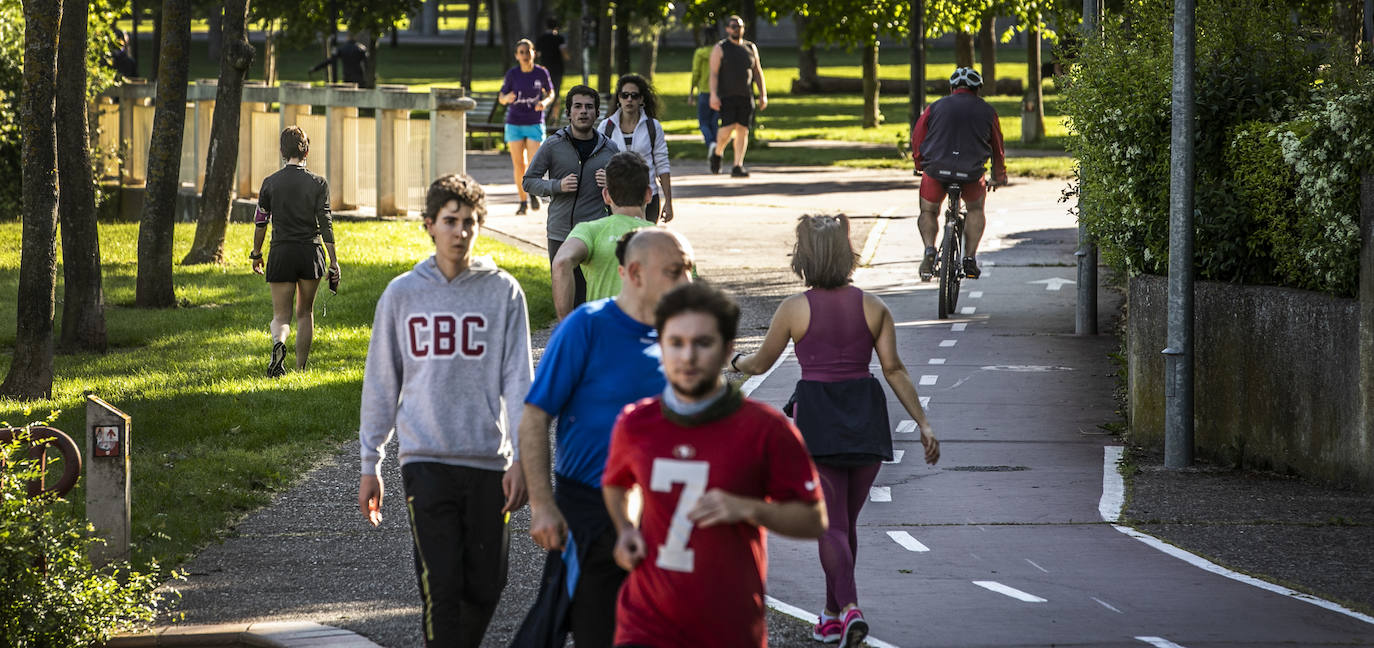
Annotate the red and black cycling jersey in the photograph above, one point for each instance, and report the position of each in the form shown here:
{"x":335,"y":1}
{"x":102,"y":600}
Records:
{"x":959,"y":133}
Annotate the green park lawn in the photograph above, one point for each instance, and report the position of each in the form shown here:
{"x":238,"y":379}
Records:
{"x":212,"y":438}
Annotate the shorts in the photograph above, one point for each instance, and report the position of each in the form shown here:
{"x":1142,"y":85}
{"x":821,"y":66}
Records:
{"x":292,"y":262}
{"x":736,"y":110}
{"x":933,"y":189}
{"x":517,"y":132}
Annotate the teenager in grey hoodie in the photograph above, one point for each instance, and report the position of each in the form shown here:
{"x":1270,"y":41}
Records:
{"x":448,"y":367}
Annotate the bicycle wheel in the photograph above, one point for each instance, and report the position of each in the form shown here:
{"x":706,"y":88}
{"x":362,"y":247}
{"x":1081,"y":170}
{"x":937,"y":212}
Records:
{"x":949,"y":271}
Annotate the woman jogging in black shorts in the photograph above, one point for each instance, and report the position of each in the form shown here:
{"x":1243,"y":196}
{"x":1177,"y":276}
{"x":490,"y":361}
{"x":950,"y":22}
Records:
{"x":296,"y":203}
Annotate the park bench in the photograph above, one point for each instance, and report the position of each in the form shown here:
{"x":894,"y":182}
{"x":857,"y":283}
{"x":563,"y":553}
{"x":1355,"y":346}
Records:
{"x":487,"y":118}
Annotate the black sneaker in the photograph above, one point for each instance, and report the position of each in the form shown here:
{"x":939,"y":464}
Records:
{"x":524,"y":208}
{"x":928,"y":265}
{"x":715,"y":162}
{"x":971,"y":268}
{"x":739,"y":172}
{"x":534,"y":202}
{"x":276,"y":368}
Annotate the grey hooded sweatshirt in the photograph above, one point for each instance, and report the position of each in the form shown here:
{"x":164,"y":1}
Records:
{"x":448,"y":368}
{"x":557,"y":157}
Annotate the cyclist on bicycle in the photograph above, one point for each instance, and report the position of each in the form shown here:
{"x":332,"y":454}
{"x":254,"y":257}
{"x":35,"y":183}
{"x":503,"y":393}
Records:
{"x":952,"y":142}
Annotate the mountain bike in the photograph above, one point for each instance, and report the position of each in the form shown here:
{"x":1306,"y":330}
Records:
{"x":949,"y":266}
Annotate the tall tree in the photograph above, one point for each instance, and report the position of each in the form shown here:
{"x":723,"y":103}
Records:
{"x":470,"y":43}
{"x":153,"y":287}
{"x":808,"y":74}
{"x":1033,"y":104}
{"x":30,"y":374}
{"x":605,"y":17}
{"x":916,"y":97}
{"x":83,"y":298}
{"x":855,"y":24}
{"x":987,"y":50}
{"x":222,"y":159}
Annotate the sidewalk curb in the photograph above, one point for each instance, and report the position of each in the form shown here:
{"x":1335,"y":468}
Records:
{"x":275,"y":634}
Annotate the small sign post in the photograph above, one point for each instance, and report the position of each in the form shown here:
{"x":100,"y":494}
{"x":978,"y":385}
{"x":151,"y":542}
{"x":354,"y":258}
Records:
{"x":108,"y":445}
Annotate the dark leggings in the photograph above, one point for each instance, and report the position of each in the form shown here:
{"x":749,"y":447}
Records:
{"x":846,"y":490}
{"x":579,"y":281}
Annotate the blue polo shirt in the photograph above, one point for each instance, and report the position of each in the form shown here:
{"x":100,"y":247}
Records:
{"x":598,"y":361}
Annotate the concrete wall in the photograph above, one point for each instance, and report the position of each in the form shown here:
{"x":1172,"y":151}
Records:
{"x":1277,"y":375}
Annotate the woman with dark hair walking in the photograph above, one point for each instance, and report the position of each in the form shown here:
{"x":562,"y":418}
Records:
{"x":839,"y":406}
{"x":633,"y":124}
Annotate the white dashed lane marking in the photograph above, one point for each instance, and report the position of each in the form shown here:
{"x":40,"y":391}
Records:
{"x":880,"y":494}
{"x":896,"y":457}
{"x":909,"y":543}
{"x":1009,"y":591}
{"x":948,"y":343}
{"x":958,"y":327}
{"x":929,"y":379}
{"x":1032,"y":564}
{"x":977,"y":294}
{"x":1106,"y":605}
{"x":1158,"y":642}
{"x":925,"y":401}
{"x":936,"y":361}
{"x":907,"y":426}
{"x":968,"y":310}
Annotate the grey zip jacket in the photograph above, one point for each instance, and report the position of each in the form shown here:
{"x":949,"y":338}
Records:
{"x":557,"y":157}
{"x":448,"y":368}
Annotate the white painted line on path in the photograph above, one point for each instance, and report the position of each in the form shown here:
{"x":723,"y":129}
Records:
{"x":1158,"y":642}
{"x":754,"y":381}
{"x":936,"y":361}
{"x":929,"y":379}
{"x":1009,"y":591}
{"x":875,"y":236}
{"x":1032,"y":564}
{"x":1110,"y":508}
{"x":948,"y":343}
{"x":1113,"y":487}
{"x":906,"y":426}
{"x":880,"y":494}
{"x":958,"y":327}
{"x":896,"y":457}
{"x":1106,"y":605}
{"x":810,"y":617}
{"x":925,"y":401}
{"x":977,"y":294}
{"x":968,"y":310}
{"x":909,"y":543}
{"x":1053,"y":283}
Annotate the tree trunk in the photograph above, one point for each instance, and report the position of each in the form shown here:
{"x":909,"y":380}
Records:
{"x":153,"y":288}
{"x":133,"y":35}
{"x":222,"y":159}
{"x":622,"y":40}
{"x":215,"y":32}
{"x":807,"y":66}
{"x":370,"y":63}
{"x":470,"y":43}
{"x":83,"y":300}
{"x":1032,"y":106}
{"x":963,"y":49}
{"x":155,"y":64}
{"x":509,"y":26}
{"x":648,"y":53}
{"x":493,"y":19}
{"x":872,"y":116}
{"x":575,"y":38}
{"x":916,"y":91}
{"x":30,"y":374}
{"x":987,"y":49}
{"x":269,"y":52}
{"x":605,"y":22}
{"x":749,"y":15}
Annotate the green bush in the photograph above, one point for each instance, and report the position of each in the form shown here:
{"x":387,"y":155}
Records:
{"x":1266,"y":188}
{"x":50,"y":594}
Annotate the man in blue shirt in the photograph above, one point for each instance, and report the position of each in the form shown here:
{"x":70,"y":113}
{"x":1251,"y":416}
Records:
{"x":604,"y":356}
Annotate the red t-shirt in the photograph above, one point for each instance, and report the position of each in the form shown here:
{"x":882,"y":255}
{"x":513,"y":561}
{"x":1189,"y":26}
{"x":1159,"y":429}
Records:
{"x":702,"y":587}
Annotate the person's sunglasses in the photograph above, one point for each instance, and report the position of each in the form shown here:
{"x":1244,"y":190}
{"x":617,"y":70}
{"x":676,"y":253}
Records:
{"x":629,"y":95}
{"x":735,"y":24}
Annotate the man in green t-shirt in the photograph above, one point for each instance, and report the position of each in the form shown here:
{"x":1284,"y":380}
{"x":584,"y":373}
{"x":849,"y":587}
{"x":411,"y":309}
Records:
{"x":699,"y":94}
{"x":592,"y":244}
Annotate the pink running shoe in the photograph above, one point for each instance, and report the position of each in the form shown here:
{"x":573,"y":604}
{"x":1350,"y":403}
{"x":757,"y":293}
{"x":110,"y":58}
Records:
{"x":827,"y":631}
{"x":855,"y":628}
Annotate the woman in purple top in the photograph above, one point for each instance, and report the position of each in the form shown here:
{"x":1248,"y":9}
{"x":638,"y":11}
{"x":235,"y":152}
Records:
{"x":527,"y":92}
{"x":838,"y":405}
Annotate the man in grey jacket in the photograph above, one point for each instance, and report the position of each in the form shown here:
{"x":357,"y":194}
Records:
{"x":572,"y":158}
{"x":448,"y":368}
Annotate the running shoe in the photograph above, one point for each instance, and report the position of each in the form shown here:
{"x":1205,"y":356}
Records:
{"x":524,"y":208}
{"x":928,"y":265}
{"x":971,"y":268}
{"x":739,"y":172}
{"x":715,"y":162}
{"x":276,"y":368}
{"x":827,"y":630}
{"x":534,"y":202}
{"x":855,"y":628}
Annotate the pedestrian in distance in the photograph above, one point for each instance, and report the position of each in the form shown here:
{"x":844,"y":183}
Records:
{"x":295,"y":202}
{"x":526,"y":92}
{"x":715,"y":469}
{"x":595,"y":246}
{"x":838,"y":405}
{"x":353,"y":55}
{"x":551,"y":48}
{"x":952,"y":142}
{"x":633,"y":125}
{"x":699,"y":92}
{"x":602,"y":357}
{"x":571,"y":168}
{"x":735,"y":67}
{"x":447,"y":368}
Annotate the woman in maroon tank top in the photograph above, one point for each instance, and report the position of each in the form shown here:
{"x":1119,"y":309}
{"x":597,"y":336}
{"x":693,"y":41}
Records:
{"x":838,"y":405}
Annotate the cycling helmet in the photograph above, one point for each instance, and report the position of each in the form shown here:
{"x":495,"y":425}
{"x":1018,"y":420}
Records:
{"x":967,"y":77}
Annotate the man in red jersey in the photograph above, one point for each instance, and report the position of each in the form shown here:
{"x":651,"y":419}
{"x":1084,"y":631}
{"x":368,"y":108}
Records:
{"x":715,"y":470}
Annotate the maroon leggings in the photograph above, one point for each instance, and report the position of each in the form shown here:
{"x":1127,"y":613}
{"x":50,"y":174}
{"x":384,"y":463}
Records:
{"x":846,"y":490}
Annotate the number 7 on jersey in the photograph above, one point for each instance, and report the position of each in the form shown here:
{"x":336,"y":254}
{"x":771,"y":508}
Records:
{"x":673,"y":554}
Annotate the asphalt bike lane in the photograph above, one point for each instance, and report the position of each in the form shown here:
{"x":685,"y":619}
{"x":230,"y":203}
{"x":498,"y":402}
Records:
{"x":1003,"y":543}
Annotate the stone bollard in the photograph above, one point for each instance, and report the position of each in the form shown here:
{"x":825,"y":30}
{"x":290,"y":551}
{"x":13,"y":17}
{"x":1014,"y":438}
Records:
{"x":448,"y":131}
{"x":108,"y":441}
